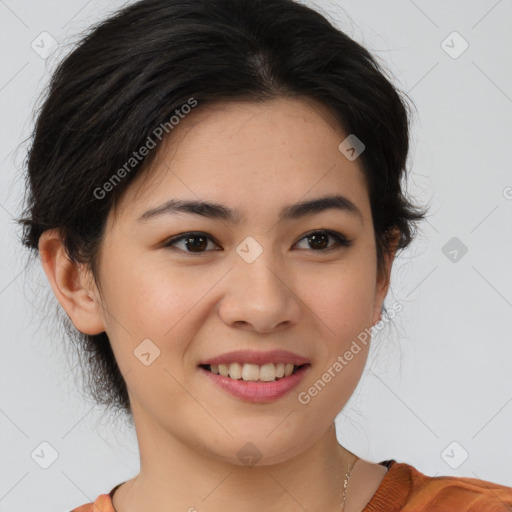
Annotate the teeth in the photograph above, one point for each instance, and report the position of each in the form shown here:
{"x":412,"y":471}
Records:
{"x":253,"y":372}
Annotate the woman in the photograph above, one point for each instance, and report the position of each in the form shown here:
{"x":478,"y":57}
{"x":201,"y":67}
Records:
{"x":215,"y":194}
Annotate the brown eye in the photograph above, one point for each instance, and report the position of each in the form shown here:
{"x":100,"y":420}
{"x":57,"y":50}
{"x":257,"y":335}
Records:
{"x":319,"y":240}
{"x":192,"y":242}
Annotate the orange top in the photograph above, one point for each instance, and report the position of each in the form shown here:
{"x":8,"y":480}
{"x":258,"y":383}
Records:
{"x":405,"y":489}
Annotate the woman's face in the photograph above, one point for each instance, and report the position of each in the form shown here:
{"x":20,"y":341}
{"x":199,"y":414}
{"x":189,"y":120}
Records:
{"x":258,"y":282}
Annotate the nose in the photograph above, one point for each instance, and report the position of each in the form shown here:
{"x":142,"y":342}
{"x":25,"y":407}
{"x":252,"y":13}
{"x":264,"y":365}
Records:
{"x":260,"y":296}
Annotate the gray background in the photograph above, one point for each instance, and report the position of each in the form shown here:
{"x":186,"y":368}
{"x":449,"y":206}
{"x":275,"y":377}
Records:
{"x":438,"y":382}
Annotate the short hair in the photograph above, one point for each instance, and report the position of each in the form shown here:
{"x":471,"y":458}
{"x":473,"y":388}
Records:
{"x":137,"y":68}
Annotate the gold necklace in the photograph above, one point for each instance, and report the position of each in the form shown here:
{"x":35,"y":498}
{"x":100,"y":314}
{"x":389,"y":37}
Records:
{"x":345,"y":485}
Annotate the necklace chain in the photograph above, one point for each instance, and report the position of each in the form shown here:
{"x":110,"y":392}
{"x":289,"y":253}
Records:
{"x":345,"y":484}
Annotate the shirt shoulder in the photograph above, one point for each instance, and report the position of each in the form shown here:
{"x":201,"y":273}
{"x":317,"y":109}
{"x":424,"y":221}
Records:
{"x":406,"y":489}
{"x":103,"y":503}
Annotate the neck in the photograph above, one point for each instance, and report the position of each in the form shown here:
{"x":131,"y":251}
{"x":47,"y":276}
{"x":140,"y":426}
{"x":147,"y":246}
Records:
{"x":177,"y":476}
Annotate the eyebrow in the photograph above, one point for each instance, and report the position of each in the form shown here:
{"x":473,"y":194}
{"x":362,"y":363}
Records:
{"x":218,"y":211}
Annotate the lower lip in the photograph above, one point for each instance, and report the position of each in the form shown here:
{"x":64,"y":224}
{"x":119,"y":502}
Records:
{"x":258,"y":391}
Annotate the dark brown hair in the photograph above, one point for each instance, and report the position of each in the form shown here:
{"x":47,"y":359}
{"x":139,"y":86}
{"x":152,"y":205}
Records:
{"x":139,"y":67}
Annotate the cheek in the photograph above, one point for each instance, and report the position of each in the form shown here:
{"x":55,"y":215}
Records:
{"x":165,"y":305}
{"x":152,"y":312}
{"x":341,"y":296}
{"x":342,"y":303}
{"x":149,"y":296}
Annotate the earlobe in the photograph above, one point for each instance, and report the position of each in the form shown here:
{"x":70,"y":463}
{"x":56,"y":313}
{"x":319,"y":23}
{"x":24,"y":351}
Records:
{"x":75,"y":293}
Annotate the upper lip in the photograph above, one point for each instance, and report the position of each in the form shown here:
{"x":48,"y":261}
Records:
{"x":256,"y":357}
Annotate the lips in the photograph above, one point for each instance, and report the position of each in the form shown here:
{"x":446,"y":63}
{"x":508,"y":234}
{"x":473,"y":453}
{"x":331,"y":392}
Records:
{"x":256,"y":357}
{"x":259,"y":391}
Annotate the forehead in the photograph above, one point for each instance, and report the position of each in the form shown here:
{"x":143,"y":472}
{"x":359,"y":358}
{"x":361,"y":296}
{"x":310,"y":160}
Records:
{"x":239,"y":153}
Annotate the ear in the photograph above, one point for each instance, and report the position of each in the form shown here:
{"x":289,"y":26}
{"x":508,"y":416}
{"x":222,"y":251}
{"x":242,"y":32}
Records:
{"x":383,"y":277}
{"x":72,"y":284}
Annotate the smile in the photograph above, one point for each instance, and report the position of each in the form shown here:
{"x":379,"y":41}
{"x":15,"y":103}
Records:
{"x":257,"y":389}
{"x":252,"y":372}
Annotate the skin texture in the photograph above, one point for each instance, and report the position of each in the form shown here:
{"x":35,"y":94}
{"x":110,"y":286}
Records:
{"x":257,"y":158}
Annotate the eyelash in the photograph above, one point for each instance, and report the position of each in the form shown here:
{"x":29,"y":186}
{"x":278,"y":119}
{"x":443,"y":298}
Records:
{"x":341,"y":240}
